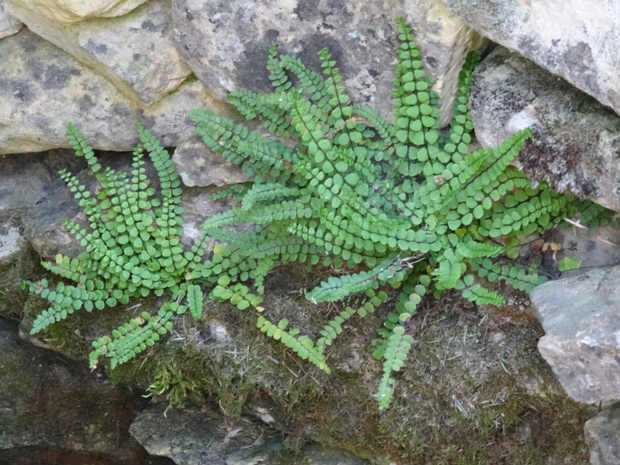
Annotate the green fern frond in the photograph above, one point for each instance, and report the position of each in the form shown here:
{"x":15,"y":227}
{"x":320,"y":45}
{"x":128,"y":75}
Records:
{"x":301,"y":345}
{"x":398,"y":347}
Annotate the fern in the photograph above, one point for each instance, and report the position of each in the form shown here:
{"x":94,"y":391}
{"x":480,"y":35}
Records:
{"x":402,"y":202}
{"x":400,"y":198}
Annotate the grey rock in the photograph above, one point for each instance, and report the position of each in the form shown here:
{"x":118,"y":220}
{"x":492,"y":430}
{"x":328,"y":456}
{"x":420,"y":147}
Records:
{"x":11,"y":243}
{"x":42,"y":88}
{"x":603,"y":436}
{"x":227,"y":43}
{"x":8,"y":24}
{"x":199,"y":166}
{"x":191,"y":436}
{"x":582,"y":332}
{"x":49,"y":402}
{"x":576,"y":40}
{"x":67,"y":11}
{"x":133,"y":51}
{"x":575,"y":143}
{"x":319,"y":455}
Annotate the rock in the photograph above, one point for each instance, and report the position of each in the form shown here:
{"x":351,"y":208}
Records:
{"x":67,"y":11}
{"x":575,"y":142}
{"x":8,"y":24}
{"x":199,"y":166}
{"x":191,"y":436}
{"x":198,"y":207}
{"x":360,"y":35}
{"x":577,"y":40}
{"x":10,"y":244}
{"x":582,"y":332}
{"x":17,"y":262}
{"x":603,"y":436}
{"x":132,"y":51}
{"x":50,"y":403}
{"x":42,"y":88}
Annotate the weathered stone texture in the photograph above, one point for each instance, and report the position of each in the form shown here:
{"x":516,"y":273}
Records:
{"x":603,"y":436}
{"x":66,"y":11}
{"x":182,"y":435}
{"x":8,"y":24}
{"x":575,"y":143}
{"x":227,"y":43}
{"x":574,"y":39}
{"x":133,"y":51}
{"x":42,"y":88}
{"x":198,"y":166}
{"x":582,"y":332}
{"x":49,"y":402}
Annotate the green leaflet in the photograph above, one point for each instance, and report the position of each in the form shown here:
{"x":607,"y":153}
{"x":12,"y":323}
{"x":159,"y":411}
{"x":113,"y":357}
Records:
{"x":194,"y":300}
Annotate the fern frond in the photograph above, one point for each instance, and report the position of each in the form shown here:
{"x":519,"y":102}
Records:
{"x":399,"y":345}
{"x":301,"y":345}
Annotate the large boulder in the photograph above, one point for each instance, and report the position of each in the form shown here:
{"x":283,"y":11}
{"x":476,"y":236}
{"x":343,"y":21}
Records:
{"x":575,"y":142}
{"x":227,"y":44}
{"x":42,"y":88}
{"x":133,"y":51}
{"x":67,"y":11}
{"x":573,"y":39}
{"x":582,"y":328}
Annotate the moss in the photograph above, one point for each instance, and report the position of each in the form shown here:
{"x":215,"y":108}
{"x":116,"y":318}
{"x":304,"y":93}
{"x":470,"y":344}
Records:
{"x":474,"y":391}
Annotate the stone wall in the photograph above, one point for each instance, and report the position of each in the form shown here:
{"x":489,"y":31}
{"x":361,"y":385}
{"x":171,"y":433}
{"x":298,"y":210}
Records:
{"x":105,"y":64}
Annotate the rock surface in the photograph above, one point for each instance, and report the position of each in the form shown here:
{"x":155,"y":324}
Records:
{"x":576,"y":40}
{"x":66,"y":11}
{"x":49,"y":402}
{"x":133,"y":51}
{"x":195,"y":437}
{"x":198,"y":166}
{"x":42,"y":88}
{"x":603,"y":436}
{"x":575,"y":143}
{"x":582,"y":332}
{"x":8,"y":24}
{"x":227,"y":44}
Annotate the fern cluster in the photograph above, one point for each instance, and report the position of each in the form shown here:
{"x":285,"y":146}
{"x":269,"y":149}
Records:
{"x":132,"y":249}
{"x":402,"y":198}
{"x":399,"y":202}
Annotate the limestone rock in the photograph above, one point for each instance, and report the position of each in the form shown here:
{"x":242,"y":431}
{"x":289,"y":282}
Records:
{"x":573,"y":39}
{"x":603,"y":436}
{"x":582,"y":332}
{"x":227,"y":44}
{"x":8,"y":24}
{"x":50,"y":403}
{"x":199,"y":166}
{"x":67,"y":11}
{"x":575,"y":143}
{"x":133,"y":51}
{"x":42,"y":88}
